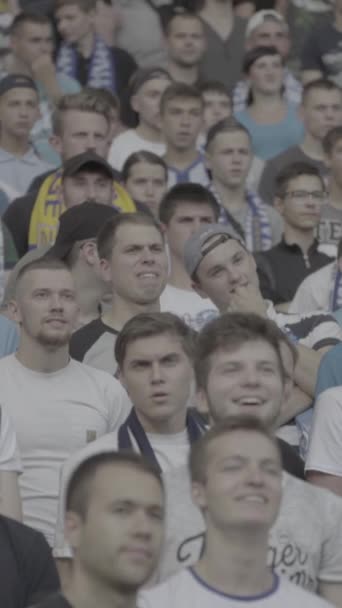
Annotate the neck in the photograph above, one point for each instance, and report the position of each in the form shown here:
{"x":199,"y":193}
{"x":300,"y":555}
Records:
{"x":180,"y":159}
{"x":85,"y":592}
{"x":312,"y":147}
{"x":169,"y":426}
{"x":245,"y":551}
{"x":335,"y":193}
{"x":85,"y":45}
{"x":178,"y":276}
{"x":231,"y":199}
{"x":41,"y":358}
{"x":260,"y":100}
{"x":150,"y":133}
{"x":294,"y":236}
{"x":181,"y":73}
{"x":18,"y":146}
{"x":122,"y":311}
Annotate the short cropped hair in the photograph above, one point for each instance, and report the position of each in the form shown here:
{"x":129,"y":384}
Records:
{"x":186,"y":193}
{"x":106,"y":236}
{"x":84,"y":5}
{"x":198,"y":458}
{"x":322,"y":84}
{"x":148,"y":325}
{"x":80,"y":486}
{"x":183,"y":14}
{"x":179,"y":90}
{"x":88,"y":100}
{"x":226,"y":125}
{"x":143,"y":156}
{"x":331,"y":139}
{"x":28,"y":17}
{"x":46,"y":262}
{"x":228,"y":333}
{"x":214,"y":86}
{"x":292,"y":171}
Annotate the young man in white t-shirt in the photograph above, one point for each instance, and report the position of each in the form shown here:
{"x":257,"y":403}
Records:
{"x":236,"y":475}
{"x":185,"y":208}
{"x":57,"y":404}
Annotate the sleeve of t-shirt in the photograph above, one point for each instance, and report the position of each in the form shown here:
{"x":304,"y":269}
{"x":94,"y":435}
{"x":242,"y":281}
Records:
{"x":310,"y":55}
{"x":330,"y":370}
{"x":119,"y":404}
{"x":9,"y":452}
{"x":325,"y":445}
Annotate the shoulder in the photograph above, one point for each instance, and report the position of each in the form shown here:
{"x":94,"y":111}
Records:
{"x":82,"y":340}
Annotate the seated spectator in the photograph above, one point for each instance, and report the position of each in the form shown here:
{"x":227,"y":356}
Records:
{"x":27,"y":568}
{"x":299,"y":197}
{"x":144,"y":176}
{"x":320,"y":57}
{"x":183,"y":210}
{"x":19,"y":110}
{"x":185,"y":43}
{"x":146,"y":89}
{"x":32,"y":46}
{"x":181,"y":109}
{"x":321,"y":110}
{"x":229,"y":158}
{"x":76,"y":246}
{"x":330,"y":226}
{"x":225,"y":35}
{"x":85,"y":56}
{"x":273,"y":123}
{"x":67,"y":404}
{"x":133,"y":257}
{"x":268,"y":28}
{"x":81,"y":123}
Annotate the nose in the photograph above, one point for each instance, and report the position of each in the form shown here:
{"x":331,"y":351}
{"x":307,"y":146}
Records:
{"x":56,"y":302}
{"x":255,"y":475}
{"x":149,"y":189}
{"x":147,"y":256}
{"x":90,"y":142}
{"x":251,"y":377}
{"x":142,"y":525}
{"x":90,"y":192}
{"x":156,"y":373}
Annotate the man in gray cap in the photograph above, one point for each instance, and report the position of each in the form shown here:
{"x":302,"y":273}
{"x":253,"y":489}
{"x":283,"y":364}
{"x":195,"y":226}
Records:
{"x":222,"y":269}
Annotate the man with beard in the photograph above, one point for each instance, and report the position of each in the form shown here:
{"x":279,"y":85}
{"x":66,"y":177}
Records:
{"x":57,"y":405}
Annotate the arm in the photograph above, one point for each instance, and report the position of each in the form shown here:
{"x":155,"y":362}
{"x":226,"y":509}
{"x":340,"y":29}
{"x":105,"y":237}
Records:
{"x":325,"y":480}
{"x":298,"y":402}
{"x":306,"y":370}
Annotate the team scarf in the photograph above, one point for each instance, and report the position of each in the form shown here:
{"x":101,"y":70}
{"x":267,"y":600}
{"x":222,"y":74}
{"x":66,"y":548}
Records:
{"x":257,"y":231}
{"x":48,"y":208}
{"x":102,"y":73}
{"x":335,"y":297}
{"x":194,"y":426}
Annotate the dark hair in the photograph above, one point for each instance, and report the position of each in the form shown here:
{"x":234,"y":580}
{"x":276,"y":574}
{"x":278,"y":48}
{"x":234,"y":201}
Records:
{"x":228,"y":332}
{"x":28,"y":17}
{"x":148,"y":325}
{"x":256,"y":53}
{"x":331,"y":139}
{"x":198,"y":458}
{"x":143,"y":156}
{"x":214,"y":86}
{"x":106,"y":236}
{"x":179,"y":90}
{"x":84,"y":5}
{"x":79,"y":488}
{"x":320,"y":83}
{"x":186,"y":193}
{"x":293,"y":171}
{"x":45,"y":263}
{"x":227,"y":125}
{"x":184,"y":14}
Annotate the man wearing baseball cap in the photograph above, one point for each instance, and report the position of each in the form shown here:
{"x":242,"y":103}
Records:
{"x":19,"y":110}
{"x":146,"y":88}
{"x":268,"y":28}
{"x":222,"y":269}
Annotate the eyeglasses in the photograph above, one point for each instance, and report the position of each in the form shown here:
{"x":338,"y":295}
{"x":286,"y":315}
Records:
{"x":301,"y":195}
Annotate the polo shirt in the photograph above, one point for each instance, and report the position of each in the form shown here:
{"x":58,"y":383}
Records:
{"x":19,"y":171}
{"x":284,"y":267}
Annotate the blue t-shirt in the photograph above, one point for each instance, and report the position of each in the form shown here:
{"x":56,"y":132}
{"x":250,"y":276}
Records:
{"x":269,"y":140}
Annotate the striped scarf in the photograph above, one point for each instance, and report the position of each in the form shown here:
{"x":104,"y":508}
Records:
{"x":257,"y":231}
{"x":101,"y":73}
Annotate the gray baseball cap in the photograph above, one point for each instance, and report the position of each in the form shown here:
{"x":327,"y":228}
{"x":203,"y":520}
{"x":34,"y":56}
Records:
{"x":196,"y":249}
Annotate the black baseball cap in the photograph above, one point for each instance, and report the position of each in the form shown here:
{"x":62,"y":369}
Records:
{"x":16,"y":81}
{"x":79,"y":223}
{"x":86,"y":159}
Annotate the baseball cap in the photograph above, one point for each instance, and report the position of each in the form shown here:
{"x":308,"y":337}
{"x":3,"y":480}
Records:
{"x":16,"y":81}
{"x":79,"y":223}
{"x":196,"y":249}
{"x":80,"y":161}
{"x":260,"y":17}
{"x":143,"y":75}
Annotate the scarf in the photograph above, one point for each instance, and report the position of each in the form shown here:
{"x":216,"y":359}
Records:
{"x":256,"y":232}
{"x":48,"y":208}
{"x":335,"y":297}
{"x":101,"y":74}
{"x":194,"y":426}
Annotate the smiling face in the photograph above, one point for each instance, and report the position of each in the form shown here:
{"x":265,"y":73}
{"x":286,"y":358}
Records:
{"x":243,"y":483}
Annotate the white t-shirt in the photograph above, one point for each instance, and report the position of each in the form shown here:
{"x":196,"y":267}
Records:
{"x":187,"y":588}
{"x":325,"y":445}
{"x":54,"y":415}
{"x":188,"y":305}
{"x":305,"y":541}
{"x":171,"y":452}
{"x":314,"y":292}
{"x":128,"y":142}
{"x":9,"y":453}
